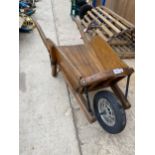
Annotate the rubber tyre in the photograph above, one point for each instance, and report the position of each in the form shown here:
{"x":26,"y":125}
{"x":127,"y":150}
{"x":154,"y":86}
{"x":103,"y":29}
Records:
{"x":119,"y":112}
{"x":84,"y":9}
{"x":80,"y":3}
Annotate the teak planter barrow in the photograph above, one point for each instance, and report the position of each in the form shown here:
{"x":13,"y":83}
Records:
{"x":90,"y":67}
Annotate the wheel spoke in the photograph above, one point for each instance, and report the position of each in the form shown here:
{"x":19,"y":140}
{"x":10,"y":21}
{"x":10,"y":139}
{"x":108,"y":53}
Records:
{"x":102,"y":113}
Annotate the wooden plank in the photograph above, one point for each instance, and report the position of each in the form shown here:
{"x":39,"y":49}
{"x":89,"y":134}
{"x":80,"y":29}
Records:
{"x":131,"y":35}
{"x":81,"y":27}
{"x":121,"y":49}
{"x":106,"y":21}
{"x":113,"y":19}
{"x":97,"y":78}
{"x":119,"y":42}
{"x":117,"y":51}
{"x":127,"y":49}
{"x":105,"y":29}
{"x":101,"y":35}
{"x":110,"y":4}
{"x":87,"y":18}
{"x":84,"y":23}
{"x":129,"y":13}
{"x":125,"y":37}
{"x":124,"y":21}
{"x":125,"y":8}
{"x":125,"y":54}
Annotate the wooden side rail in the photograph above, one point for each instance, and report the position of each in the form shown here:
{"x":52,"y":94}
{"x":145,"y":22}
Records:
{"x":102,"y":76}
{"x":51,"y":47}
{"x":48,"y":43}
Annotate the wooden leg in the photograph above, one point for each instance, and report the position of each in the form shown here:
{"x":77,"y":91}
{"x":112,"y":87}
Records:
{"x":121,"y":96}
{"x":54,"y":70}
{"x":53,"y":67}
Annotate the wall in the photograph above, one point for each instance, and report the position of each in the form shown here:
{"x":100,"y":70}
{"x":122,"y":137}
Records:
{"x":125,"y":8}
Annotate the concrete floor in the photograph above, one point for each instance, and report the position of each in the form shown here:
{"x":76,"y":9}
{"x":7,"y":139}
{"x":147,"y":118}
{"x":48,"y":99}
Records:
{"x":49,"y":123}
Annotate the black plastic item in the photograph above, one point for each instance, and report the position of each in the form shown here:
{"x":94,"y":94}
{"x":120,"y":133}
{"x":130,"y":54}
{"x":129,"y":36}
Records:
{"x":80,"y":3}
{"x":109,"y":113}
{"x":24,"y":30}
{"x":84,"y":9}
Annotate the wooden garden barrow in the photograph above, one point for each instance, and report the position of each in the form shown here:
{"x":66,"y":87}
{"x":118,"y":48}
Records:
{"x":90,"y":67}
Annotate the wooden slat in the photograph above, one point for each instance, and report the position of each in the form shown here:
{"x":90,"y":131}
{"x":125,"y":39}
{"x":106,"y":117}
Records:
{"x":81,"y":27}
{"x":124,"y":21}
{"x":124,"y":37}
{"x":106,"y":21}
{"x":119,"y":42}
{"x":116,"y":50}
{"x":102,"y":26}
{"x":121,"y":49}
{"x":126,"y":49}
{"x":113,"y":19}
{"x":84,"y":23}
{"x":87,"y":18}
{"x":101,"y":35}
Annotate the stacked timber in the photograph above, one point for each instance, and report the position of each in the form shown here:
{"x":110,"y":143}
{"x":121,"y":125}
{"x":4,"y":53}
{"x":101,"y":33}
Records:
{"x":115,"y":30}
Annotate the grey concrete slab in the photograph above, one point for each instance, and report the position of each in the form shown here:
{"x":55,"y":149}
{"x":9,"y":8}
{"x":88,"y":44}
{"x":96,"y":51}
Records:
{"x":45,"y":117}
{"x":46,"y":19}
{"x":46,"y":123}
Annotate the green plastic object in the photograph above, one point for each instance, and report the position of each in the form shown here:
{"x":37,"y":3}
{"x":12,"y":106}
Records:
{"x":73,"y":8}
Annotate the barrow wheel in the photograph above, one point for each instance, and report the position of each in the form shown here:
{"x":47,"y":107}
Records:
{"x":84,"y":9}
{"x":80,"y":3}
{"x":109,"y":113}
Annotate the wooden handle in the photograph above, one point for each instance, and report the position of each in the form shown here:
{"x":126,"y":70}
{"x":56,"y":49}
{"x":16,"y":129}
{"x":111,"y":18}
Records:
{"x":47,"y":42}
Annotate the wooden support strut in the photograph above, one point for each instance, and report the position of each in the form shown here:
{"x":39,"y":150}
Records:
{"x":51,"y":47}
{"x":120,"y":95}
{"x":81,"y":101}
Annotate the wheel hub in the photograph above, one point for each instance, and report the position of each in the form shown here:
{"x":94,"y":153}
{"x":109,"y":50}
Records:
{"x":106,"y":112}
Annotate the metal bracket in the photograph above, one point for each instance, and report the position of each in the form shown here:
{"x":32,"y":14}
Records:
{"x":127,"y":86}
{"x":53,"y":62}
{"x":87,"y":97}
{"x":92,"y":25}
